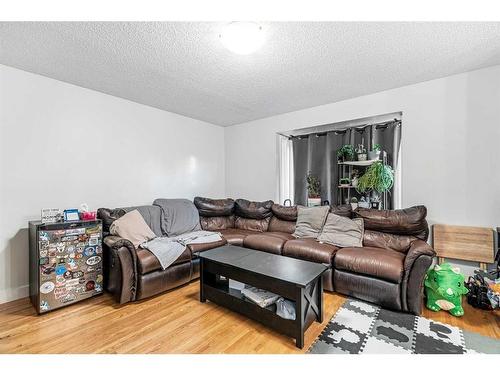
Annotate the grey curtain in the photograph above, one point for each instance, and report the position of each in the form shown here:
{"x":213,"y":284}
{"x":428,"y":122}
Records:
{"x":317,"y":153}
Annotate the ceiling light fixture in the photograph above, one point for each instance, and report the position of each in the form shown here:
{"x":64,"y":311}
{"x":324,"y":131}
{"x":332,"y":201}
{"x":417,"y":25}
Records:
{"x":242,"y":37}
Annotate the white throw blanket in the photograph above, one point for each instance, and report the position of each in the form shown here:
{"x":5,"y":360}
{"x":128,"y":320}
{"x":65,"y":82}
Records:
{"x":168,"y":249}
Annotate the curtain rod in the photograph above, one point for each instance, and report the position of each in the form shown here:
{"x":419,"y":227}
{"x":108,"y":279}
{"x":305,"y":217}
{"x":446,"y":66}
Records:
{"x":342,"y":129}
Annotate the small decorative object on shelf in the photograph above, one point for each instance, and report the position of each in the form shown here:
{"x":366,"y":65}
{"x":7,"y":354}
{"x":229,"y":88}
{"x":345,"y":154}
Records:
{"x":346,"y":153}
{"x":71,"y":214}
{"x":354,"y":178}
{"x":374,"y":154}
{"x":86,"y":214}
{"x":364,"y":203}
{"x":361,"y":152}
{"x":313,"y":190}
{"x":51,"y":215}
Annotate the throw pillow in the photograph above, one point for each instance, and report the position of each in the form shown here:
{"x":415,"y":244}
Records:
{"x":342,"y":231}
{"x":132,"y":227}
{"x":310,"y":221}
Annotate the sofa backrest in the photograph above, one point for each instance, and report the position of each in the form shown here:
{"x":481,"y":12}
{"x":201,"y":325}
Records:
{"x":406,"y":222}
{"x":150,"y":213}
{"x":344,"y":210}
{"x":284,"y":218}
{"x":398,"y":242}
{"x":252,"y":215}
{"x":215,"y":214}
{"x":108,"y":216}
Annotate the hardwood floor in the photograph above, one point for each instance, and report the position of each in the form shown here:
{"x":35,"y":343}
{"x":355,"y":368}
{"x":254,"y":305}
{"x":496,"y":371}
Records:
{"x":175,"y":322}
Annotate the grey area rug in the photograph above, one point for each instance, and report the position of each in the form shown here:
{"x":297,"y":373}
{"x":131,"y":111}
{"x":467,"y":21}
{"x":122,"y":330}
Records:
{"x":362,"y":328}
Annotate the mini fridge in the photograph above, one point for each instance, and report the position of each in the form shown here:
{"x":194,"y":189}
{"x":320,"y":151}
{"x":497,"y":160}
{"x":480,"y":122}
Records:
{"x":65,"y":263}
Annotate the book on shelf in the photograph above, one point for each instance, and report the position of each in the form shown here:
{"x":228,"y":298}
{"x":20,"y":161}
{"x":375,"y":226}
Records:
{"x":261,"y":297}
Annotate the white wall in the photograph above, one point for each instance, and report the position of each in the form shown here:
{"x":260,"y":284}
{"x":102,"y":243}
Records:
{"x":450,"y":145}
{"x":62,"y":145}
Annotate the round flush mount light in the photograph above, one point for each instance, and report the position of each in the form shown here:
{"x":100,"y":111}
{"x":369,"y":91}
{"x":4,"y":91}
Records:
{"x":242,"y":37}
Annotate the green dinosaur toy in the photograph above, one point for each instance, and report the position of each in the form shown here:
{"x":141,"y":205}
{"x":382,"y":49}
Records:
{"x":444,"y":287}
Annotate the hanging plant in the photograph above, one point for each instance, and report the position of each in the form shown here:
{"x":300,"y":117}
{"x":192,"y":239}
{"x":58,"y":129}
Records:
{"x":378,"y":177}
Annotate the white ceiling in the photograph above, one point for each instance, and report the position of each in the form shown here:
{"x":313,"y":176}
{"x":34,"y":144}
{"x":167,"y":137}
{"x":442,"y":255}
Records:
{"x":183,"y":68}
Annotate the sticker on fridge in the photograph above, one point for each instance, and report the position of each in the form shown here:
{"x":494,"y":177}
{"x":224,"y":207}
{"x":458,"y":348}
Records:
{"x":47,"y":287}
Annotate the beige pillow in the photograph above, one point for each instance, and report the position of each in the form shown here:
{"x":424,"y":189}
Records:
{"x":342,"y":231}
{"x":310,"y":221}
{"x":132,"y":227}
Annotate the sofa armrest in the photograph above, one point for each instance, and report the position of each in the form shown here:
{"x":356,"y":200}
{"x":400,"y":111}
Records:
{"x":121,"y":271}
{"x":418,"y":260}
{"x":417,"y":248}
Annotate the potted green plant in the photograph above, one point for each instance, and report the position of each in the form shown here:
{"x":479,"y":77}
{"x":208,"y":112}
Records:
{"x":374,"y":154}
{"x":344,"y":182}
{"x":313,"y":190}
{"x":361,"y":152}
{"x":378,"y":179}
{"x":345,"y":153}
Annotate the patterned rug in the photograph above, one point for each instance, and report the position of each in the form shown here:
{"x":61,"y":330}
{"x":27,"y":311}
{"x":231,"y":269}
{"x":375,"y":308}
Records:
{"x":362,"y":328}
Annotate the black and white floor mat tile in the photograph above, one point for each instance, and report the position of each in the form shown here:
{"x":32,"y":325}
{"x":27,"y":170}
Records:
{"x":362,"y":328}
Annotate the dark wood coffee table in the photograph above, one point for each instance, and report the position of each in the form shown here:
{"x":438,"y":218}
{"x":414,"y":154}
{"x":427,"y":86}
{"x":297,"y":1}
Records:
{"x":294,"y":279}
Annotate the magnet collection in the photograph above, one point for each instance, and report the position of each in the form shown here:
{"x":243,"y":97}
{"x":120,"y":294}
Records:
{"x":70,"y":265}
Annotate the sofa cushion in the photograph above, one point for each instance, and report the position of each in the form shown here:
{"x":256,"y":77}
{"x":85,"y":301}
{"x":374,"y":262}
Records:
{"x":309,"y":249}
{"x":342,"y":231}
{"x":253,"y":210}
{"x":216,"y":222}
{"x":264,"y":242}
{"x":278,"y":225}
{"x":214,"y":207}
{"x":132,"y":227}
{"x":235,"y":236}
{"x":408,"y":221}
{"x":371,"y":261}
{"x":283,"y":235}
{"x":197,"y":247}
{"x":258,"y":225}
{"x":288,"y":213}
{"x":148,"y":262}
{"x":310,"y":221}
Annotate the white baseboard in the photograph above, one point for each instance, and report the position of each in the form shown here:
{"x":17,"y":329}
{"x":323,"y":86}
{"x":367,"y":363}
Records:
{"x":7,"y":295}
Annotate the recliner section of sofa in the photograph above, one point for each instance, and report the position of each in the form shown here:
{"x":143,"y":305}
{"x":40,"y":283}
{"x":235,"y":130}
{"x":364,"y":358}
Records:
{"x":134,"y":273}
{"x":394,"y":259}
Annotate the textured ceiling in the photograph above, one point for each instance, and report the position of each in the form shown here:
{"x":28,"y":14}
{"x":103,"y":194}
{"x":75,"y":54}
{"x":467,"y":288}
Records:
{"x":183,"y":68}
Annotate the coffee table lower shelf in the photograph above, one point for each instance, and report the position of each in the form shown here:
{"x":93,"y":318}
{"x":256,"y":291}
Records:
{"x":308,"y":300}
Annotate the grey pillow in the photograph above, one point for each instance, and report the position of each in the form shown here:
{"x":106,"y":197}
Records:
{"x":342,"y":231}
{"x":151,"y":215}
{"x":179,"y":216}
{"x":310,"y":221}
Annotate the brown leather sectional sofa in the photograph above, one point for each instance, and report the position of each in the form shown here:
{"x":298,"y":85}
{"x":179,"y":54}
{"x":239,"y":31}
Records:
{"x":388,"y":270}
